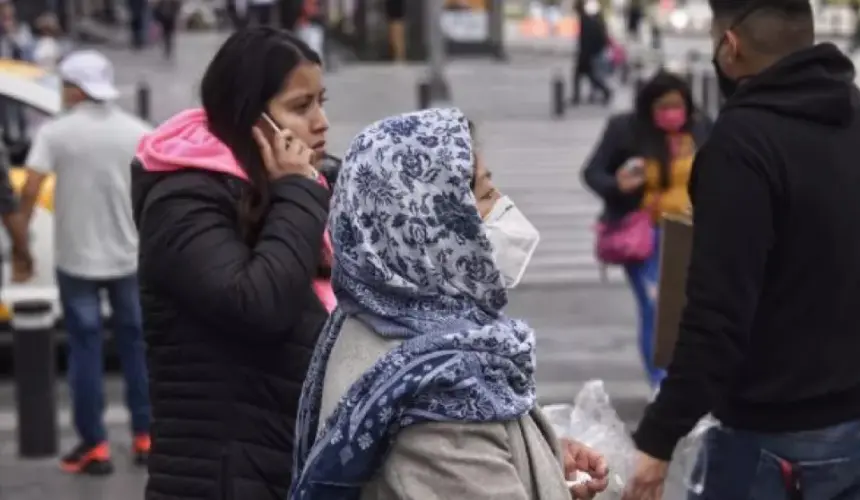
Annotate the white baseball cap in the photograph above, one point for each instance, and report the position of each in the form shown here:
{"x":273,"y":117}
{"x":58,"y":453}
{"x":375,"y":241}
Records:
{"x":90,"y":71}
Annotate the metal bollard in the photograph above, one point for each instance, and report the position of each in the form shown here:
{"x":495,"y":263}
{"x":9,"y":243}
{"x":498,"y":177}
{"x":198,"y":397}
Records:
{"x":656,"y":37}
{"x":35,"y":378}
{"x":708,"y":95}
{"x":690,"y":77}
{"x":694,"y":57}
{"x":557,"y":93}
{"x":144,"y":101}
{"x":424,"y":94}
{"x":638,"y":85}
{"x":624,"y":73}
{"x":638,"y":71}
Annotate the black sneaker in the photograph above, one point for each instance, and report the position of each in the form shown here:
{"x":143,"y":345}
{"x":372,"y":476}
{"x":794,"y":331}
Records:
{"x":88,"y":459}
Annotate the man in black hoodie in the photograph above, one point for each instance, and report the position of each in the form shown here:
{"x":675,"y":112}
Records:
{"x":769,"y":341}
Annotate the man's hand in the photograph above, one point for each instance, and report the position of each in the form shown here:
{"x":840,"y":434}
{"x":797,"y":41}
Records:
{"x":22,"y":265}
{"x":649,"y":478}
{"x":581,"y":458}
{"x":22,"y":260}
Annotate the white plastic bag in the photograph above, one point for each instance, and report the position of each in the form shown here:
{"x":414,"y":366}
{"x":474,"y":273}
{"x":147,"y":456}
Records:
{"x":593,"y":422}
{"x":693,"y":456}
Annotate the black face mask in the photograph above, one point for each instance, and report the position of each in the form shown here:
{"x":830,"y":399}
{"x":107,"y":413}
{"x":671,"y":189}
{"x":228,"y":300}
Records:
{"x":727,"y":86}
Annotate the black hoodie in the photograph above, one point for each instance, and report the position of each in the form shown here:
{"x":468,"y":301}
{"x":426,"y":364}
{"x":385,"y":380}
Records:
{"x":770,"y":337}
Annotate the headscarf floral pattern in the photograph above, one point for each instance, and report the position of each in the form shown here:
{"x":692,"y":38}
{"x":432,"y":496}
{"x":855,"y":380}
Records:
{"x":412,"y":261}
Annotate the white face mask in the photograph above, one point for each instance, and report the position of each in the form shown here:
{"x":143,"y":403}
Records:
{"x":514,"y":240}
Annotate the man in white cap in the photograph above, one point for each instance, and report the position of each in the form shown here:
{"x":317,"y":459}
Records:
{"x":89,"y":148}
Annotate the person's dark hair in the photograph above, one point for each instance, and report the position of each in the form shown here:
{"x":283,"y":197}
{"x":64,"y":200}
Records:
{"x":771,"y":27}
{"x":650,"y":140}
{"x":248,"y":70}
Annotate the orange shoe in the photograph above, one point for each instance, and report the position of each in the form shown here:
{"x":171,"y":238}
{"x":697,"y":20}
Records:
{"x":141,"y":446}
{"x":88,"y":459}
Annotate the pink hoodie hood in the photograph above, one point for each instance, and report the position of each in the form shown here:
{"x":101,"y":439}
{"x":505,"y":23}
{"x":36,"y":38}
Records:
{"x":184,"y":141}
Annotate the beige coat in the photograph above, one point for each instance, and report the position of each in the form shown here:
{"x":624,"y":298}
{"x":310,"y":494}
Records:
{"x":516,"y":460}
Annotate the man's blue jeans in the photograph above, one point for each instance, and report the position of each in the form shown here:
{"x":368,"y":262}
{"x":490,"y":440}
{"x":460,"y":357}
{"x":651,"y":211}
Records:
{"x":82,"y":311}
{"x":746,"y":465}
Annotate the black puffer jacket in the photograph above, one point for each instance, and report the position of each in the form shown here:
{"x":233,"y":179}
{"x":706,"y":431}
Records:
{"x":230,"y":331}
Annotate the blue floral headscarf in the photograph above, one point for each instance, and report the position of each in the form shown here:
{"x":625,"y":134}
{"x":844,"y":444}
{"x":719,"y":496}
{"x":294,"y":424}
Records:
{"x":412,"y":261}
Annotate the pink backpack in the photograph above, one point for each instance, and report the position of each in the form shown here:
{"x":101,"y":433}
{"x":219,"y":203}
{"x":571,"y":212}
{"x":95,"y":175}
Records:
{"x":629,"y":240}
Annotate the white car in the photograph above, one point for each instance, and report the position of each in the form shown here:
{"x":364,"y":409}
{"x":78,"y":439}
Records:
{"x":37,"y":95}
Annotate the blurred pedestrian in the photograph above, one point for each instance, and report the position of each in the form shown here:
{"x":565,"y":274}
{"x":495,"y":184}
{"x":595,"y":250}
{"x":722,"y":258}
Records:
{"x":768,"y":338}
{"x":311,"y":28}
{"x":87,"y":149}
{"x":166,"y":14}
{"x":855,"y":36}
{"x":237,"y":10}
{"x":16,"y":43}
{"x":260,"y":12}
{"x":16,"y":39}
{"x":656,"y":21}
{"x":395,"y":13}
{"x":235,"y":265}
{"x":291,"y":13}
{"x":640,"y":169}
{"x":138,"y":11}
{"x":593,"y":45}
{"x":635,"y":14}
{"x":50,"y":45}
{"x":421,"y":387}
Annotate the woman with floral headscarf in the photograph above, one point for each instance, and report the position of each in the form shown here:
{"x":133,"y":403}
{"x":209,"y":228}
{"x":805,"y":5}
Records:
{"x":420,"y":387}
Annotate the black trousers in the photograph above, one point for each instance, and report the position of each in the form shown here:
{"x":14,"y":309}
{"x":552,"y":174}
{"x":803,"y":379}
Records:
{"x":137,"y":23}
{"x":166,"y":14}
{"x":261,"y":15}
{"x":585,"y":69}
{"x":291,"y":12}
{"x":168,"y":38}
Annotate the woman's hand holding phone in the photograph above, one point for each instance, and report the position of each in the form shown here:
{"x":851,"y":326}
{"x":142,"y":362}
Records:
{"x":631,"y":176}
{"x":285,"y":154}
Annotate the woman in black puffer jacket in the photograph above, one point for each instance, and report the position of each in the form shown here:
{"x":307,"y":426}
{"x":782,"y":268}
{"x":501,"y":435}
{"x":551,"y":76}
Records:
{"x":234,"y":259}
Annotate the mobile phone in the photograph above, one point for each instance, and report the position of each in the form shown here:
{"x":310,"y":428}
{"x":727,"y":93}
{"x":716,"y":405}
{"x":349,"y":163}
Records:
{"x":634,"y":167}
{"x":271,"y":128}
{"x":271,"y":122}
